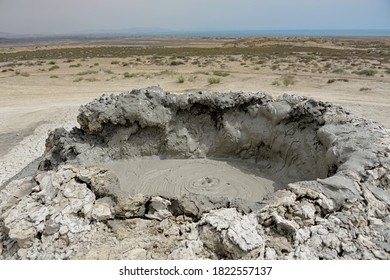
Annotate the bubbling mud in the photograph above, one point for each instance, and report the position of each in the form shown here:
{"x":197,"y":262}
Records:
{"x":178,"y":177}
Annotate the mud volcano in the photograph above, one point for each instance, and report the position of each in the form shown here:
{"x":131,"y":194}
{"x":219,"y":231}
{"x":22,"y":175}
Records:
{"x":226,"y":145}
{"x":229,"y":175}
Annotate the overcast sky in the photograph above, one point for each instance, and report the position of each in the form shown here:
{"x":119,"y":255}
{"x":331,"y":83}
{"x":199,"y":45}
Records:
{"x":66,"y":16}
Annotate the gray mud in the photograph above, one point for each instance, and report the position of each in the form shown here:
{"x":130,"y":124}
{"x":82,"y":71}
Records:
{"x":213,"y":178}
{"x":299,"y":179}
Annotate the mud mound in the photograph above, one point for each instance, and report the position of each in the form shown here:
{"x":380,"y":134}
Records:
{"x":203,"y":164}
{"x":277,"y":138}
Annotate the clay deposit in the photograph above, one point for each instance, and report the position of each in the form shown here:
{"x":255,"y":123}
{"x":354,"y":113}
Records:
{"x":261,"y":178}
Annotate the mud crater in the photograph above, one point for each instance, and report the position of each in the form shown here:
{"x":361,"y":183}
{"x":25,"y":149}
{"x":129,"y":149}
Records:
{"x":233,"y":145}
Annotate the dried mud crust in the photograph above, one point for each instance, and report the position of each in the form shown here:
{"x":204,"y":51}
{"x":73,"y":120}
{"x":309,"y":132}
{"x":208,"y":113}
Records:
{"x":335,"y":204}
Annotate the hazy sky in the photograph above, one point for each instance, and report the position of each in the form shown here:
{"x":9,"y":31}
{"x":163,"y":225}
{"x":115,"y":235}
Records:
{"x":64,"y":16}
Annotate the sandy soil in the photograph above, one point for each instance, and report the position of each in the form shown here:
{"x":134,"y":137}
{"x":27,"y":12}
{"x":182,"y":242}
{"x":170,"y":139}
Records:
{"x":36,"y":97}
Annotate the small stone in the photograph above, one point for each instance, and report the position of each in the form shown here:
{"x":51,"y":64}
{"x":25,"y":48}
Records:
{"x":23,"y":232}
{"x":136,"y":254}
{"x":158,"y":209}
{"x":103,"y":209}
{"x":63,"y":230}
{"x":283,"y":225}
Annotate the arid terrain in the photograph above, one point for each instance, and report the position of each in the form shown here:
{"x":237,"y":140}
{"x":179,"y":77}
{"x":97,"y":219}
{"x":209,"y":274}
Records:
{"x":43,"y":83}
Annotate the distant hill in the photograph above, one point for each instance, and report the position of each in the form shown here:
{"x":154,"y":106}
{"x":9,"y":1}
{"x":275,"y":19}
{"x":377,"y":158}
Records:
{"x":7,"y":35}
{"x":91,"y":33}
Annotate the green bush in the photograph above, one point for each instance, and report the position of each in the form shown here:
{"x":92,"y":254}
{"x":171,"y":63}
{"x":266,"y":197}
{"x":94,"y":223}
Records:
{"x":92,"y":79}
{"x":78,"y":80}
{"x":214,"y":80}
{"x":128,"y":75}
{"x":180,"y":79}
{"x":221,"y":73}
{"x":54,"y":67}
{"x":330,"y":81}
{"x":367,"y":72}
{"x":88,"y":72}
{"x":288,"y":80}
{"x":176,"y":62}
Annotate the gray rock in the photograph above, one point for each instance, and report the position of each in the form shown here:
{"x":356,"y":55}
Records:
{"x":136,"y":254}
{"x":103,"y":209}
{"x":23,"y":232}
{"x":158,"y":208}
{"x":230,"y":233}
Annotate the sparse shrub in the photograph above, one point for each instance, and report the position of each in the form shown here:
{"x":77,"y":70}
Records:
{"x":74,"y":65}
{"x":275,"y":67}
{"x":176,"y":62}
{"x":330,"y":81}
{"x":214,"y":80}
{"x":54,"y":77}
{"x":129,"y":75}
{"x":338,"y":71}
{"x":79,"y":79}
{"x":4,"y":70}
{"x":364,"y":89}
{"x":124,"y":64}
{"x":96,"y":64}
{"x":221,"y":73}
{"x":288,"y":80}
{"x":367,"y":72}
{"x":108,"y":71}
{"x":88,"y":72}
{"x":51,"y":62}
{"x":92,"y":79}
{"x":115,"y":62}
{"x":54,"y":67}
{"x":276,"y":83}
{"x":328,"y":65}
{"x":192,"y":78}
{"x":256,"y":68}
{"x":25,"y":74}
{"x":180,"y":79}
{"x":17,"y":72}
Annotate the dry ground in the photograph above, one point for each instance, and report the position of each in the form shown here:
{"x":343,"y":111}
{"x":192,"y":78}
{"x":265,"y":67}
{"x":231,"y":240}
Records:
{"x":42,"y":86}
